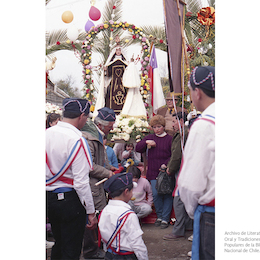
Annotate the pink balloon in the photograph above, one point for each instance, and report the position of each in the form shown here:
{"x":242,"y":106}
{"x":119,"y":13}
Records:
{"x":88,"y":25}
{"x":94,"y":13}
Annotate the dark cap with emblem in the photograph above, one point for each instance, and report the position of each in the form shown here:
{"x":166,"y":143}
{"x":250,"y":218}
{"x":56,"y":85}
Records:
{"x":118,"y":181}
{"x":75,"y":106}
{"x":203,"y":77}
{"x":107,"y":114}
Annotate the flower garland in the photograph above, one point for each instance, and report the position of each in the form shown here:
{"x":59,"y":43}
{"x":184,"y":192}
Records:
{"x":129,"y":129}
{"x":86,"y":53}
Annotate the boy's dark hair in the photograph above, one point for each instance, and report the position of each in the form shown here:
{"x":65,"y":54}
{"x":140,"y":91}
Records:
{"x":120,"y":191}
{"x":181,"y":115}
{"x":208,"y":92}
{"x":135,"y":172}
{"x":70,"y":114}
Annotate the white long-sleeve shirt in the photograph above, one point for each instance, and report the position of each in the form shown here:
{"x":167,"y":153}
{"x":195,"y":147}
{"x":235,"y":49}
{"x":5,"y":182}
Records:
{"x":196,"y":182}
{"x":60,"y":140}
{"x":130,"y":234}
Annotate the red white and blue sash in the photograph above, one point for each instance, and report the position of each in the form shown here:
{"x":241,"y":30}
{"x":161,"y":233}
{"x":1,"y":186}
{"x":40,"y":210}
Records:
{"x":116,"y":234}
{"x":208,"y":118}
{"x":81,"y":143}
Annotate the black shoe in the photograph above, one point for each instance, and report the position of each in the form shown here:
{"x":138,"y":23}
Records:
{"x":157,"y":222}
{"x":164,"y":224}
{"x":100,"y":254}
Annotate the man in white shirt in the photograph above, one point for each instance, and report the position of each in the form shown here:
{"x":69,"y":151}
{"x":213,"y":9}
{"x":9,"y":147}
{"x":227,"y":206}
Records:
{"x":69,"y":198}
{"x":196,"y":182}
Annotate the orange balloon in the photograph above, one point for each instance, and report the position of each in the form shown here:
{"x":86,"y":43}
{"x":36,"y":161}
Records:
{"x":67,"y":17}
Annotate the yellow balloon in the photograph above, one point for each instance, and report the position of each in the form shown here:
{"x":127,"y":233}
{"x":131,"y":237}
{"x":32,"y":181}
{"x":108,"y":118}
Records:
{"x":67,"y":17}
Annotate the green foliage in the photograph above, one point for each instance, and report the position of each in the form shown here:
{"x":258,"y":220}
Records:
{"x":102,"y":40}
{"x":200,"y":39}
{"x":157,"y":34}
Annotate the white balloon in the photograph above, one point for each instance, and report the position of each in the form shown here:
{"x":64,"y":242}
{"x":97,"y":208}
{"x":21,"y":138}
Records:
{"x":72,"y":33}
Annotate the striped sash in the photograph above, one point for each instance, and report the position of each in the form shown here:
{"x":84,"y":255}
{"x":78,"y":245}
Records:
{"x":116,"y":234}
{"x":81,"y":143}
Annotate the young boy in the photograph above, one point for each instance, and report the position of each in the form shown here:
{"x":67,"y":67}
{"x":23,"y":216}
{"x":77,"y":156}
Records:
{"x":118,"y":224}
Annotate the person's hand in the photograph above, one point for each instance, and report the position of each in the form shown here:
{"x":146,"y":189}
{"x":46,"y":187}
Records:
{"x":110,"y":174}
{"x":92,"y":221}
{"x":163,"y":166}
{"x":167,"y":171}
{"x":151,"y":143}
{"x":113,"y":168}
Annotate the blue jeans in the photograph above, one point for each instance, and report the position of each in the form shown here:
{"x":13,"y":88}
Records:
{"x":162,"y":203}
{"x":203,"y":244}
{"x":207,"y":236}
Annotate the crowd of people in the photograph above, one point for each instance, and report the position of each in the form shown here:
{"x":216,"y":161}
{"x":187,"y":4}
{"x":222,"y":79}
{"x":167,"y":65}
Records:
{"x":94,"y":194}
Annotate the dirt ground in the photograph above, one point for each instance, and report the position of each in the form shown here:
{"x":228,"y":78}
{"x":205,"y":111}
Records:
{"x":158,"y":248}
{"x":162,"y":249}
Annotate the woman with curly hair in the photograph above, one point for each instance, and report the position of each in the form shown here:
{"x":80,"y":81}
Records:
{"x":159,"y":153}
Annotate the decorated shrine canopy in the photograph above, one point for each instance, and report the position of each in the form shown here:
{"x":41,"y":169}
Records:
{"x":86,"y":54}
{"x":174,"y":41}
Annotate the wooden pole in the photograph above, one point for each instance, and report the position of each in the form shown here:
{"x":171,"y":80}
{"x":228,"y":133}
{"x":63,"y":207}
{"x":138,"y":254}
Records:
{"x":184,"y":48}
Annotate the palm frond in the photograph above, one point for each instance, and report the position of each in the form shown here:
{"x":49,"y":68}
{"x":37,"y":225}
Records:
{"x":194,"y":5}
{"x":102,"y":40}
{"x":57,"y":40}
{"x":157,"y":32}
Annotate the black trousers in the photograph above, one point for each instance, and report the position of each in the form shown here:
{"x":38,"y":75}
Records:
{"x":68,"y":219}
{"x":110,"y":256}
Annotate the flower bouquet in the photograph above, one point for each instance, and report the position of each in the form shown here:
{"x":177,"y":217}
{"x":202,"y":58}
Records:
{"x":129,"y":129}
{"x":51,"y":108}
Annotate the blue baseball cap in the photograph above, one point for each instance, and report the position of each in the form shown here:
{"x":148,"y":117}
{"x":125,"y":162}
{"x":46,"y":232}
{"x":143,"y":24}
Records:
{"x":118,"y":181}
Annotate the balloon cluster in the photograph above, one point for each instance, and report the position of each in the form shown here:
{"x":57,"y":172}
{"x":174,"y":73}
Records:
{"x":72,"y":32}
{"x":94,"y":15}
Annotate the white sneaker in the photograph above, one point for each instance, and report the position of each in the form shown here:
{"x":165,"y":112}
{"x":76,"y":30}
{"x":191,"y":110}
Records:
{"x":189,"y":254}
{"x":190,"y":238}
{"x":49,"y":244}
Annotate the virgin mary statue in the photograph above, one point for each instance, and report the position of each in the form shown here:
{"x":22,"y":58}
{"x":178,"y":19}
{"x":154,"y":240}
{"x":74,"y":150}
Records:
{"x":112,"y":93}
